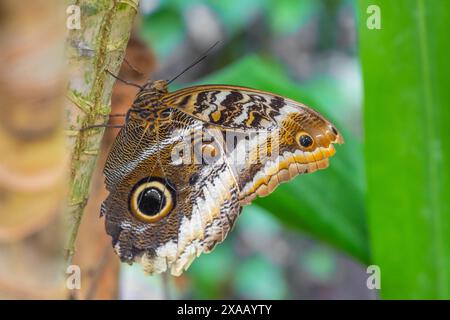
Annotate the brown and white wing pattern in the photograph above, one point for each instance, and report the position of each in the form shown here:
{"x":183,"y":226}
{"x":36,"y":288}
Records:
{"x":296,"y":138}
{"x":162,"y":213}
{"x":187,"y":161}
{"x":234,"y":107}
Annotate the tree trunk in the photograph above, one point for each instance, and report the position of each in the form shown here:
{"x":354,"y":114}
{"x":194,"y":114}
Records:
{"x":99,"y":45}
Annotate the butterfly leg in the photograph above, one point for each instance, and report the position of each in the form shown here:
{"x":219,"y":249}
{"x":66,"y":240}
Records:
{"x":102,"y":126}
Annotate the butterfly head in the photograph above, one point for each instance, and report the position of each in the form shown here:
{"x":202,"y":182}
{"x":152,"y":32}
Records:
{"x":158,"y":86}
{"x":150,"y":94}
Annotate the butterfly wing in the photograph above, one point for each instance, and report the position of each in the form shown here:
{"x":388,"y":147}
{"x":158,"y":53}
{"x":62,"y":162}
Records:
{"x":163,"y":212}
{"x":166,"y":207}
{"x":235,"y":107}
{"x":262,"y":123}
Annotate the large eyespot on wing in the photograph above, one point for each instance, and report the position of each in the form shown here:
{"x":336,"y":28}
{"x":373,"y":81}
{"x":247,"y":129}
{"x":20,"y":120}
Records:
{"x":161,"y":214}
{"x":151,"y":199}
{"x":142,"y":201}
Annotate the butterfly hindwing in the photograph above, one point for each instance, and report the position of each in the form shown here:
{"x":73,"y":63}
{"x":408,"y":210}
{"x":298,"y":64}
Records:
{"x":204,"y":194}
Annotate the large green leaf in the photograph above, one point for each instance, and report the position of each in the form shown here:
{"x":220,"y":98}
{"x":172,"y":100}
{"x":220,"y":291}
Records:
{"x":329,"y":203}
{"x":407,"y":127}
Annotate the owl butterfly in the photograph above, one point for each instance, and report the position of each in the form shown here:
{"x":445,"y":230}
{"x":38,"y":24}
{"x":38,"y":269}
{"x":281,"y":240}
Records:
{"x":186,"y":163}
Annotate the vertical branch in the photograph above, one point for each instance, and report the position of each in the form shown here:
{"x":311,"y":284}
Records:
{"x":98,"y":46}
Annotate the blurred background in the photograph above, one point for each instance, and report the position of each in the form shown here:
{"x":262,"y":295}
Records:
{"x":379,"y":202}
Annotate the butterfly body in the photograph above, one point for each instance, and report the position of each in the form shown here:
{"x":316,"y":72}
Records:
{"x":187,"y":161}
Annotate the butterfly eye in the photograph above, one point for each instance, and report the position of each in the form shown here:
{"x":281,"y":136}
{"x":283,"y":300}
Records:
{"x":151,"y":200}
{"x":304,"y":140}
{"x":164,"y":114}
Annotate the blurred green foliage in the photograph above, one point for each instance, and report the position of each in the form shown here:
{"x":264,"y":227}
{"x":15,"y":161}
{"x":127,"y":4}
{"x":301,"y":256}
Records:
{"x":258,"y":278}
{"x":212,"y":275}
{"x":286,"y":16}
{"x":320,"y":264}
{"x":407,"y":120}
{"x":165,"y":27}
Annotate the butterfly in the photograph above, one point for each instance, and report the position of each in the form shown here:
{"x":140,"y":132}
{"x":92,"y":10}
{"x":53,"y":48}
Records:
{"x":186,"y":162}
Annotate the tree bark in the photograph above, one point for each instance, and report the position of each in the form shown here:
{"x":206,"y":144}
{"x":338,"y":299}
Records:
{"x":98,"y":46}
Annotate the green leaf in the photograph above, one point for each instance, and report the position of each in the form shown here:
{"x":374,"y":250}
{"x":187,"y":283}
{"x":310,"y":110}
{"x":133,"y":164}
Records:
{"x":329,"y":203}
{"x":407,"y":120}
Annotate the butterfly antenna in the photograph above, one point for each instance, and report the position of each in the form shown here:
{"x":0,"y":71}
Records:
{"x":132,"y":67}
{"x":197,"y":61}
{"x":124,"y":81}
